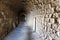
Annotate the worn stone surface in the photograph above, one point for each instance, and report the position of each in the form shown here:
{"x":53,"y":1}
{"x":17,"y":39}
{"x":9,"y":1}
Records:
{"x":8,"y":19}
{"x":11,"y":13}
{"x":47,"y":13}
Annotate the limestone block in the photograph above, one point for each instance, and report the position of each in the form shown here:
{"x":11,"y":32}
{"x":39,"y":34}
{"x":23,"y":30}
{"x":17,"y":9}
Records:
{"x":58,"y":15}
{"x":49,"y":30}
{"x":47,"y":15}
{"x":58,"y":29}
{"x":58,"y":9}
{"x":48,"y":11}
{"x":58,"y":20}
{"x":54,"y":31}
{"x":52,"y":10}
{"x":46,"y":1}
{"x":58,"y":2}
{"x":52,"y":20}
{"x":58,"y":33}
{"x":54,"y":26}
{"x":50,"y":38}
{"x":40,"y":1}
{"x":53,"y":36}
{"x":50,"y":15}
{"x":39,"y":6}
{"x":54,"y":3}
{"x":35,"y":2}
{"x":55,"y":14}
{"x":47,"y":19}
{"x":49,"y":25}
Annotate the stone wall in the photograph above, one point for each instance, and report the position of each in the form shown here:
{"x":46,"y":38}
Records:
{"x":8,"y":20}
{"x":47,"y":13}
{"x":12,"y":12}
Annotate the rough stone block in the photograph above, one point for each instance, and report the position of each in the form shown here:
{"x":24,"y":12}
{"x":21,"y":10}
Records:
{"x":58,"y":9}
{"x":52,"y":20}
{"x":58,"y":20}
{"x":55,"y":14}
{"x":58,"y":15}
{"x":47,"y":20}
{"x":58,"y":33}
{"x":54,"y":26}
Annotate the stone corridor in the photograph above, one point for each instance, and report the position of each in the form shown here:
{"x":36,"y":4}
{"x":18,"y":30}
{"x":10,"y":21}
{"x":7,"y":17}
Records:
{"x":41,"y":17}
{"x":22,"y":32}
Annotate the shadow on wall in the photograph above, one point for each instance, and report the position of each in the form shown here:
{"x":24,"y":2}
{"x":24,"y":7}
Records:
{"x":22,"y":15}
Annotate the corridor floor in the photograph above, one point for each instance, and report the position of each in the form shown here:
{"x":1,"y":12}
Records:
{"x":22,"y":32}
